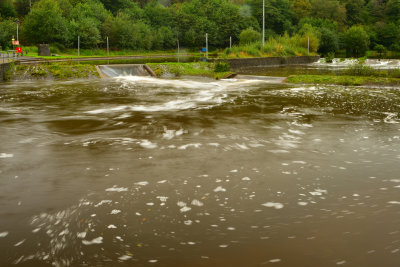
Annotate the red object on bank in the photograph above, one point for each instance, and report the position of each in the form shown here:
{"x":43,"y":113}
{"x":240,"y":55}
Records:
{"x":19,"y":49}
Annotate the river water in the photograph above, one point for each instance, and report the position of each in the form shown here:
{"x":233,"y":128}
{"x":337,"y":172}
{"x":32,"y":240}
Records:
{"x":194,"y":172}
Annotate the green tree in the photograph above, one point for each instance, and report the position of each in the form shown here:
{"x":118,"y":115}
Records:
{"x":7,"y":9}
{"x":249,"y":36}
{"x":45,"y":24}
{"x":354,"y":11}
{"x":357,"y":42}
{"x":329,"y":42}
{"x":7,"y":31}
{"x":393,"y":10}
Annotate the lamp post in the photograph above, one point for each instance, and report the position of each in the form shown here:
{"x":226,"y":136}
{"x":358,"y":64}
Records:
{"x":263,"y":30}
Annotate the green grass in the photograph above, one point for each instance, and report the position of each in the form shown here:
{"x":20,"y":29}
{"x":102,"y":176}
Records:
{"x":343,"y":80}
{"x":58,"y":71}
{"x":204,"y":69}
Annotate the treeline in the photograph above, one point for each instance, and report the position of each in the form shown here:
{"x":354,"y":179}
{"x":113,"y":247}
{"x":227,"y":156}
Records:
{"x":355,"y":25}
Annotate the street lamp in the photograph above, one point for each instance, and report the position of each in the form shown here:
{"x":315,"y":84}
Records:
{"x":263,"y":30}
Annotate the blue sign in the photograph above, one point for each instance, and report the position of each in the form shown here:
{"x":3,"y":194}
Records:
{"x":203,"y":49}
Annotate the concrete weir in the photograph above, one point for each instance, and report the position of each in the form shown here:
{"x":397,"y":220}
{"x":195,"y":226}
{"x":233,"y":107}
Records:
{"x":116,"y":70}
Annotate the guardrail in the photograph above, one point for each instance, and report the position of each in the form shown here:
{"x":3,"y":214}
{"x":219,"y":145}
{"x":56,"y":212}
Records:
{"x":10,"y":55}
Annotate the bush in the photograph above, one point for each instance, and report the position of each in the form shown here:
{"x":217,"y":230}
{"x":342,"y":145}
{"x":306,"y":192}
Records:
{"x":380,"y":49}
{"x":249,"y":36}
{"x":222,"y":67}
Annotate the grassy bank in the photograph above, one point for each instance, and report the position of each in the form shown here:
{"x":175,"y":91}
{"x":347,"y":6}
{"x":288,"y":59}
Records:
{"x":56,"y":71}
{"x":281,"y":46}
{"x":343,"y":80}
{"x":205,"y":69}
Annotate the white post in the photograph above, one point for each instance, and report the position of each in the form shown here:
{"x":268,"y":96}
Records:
{"x":178,"y":48}
{"x":207,"y":45}
{"x":263,"y":30}
{"x":308,"y":45}
{"x":79,"y":52}
{"x":108,"y":48}
{"x":17,"y":31}
{"x":230,"y":42}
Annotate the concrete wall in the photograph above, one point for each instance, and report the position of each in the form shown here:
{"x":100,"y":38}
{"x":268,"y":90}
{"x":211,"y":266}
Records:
{"x":238,"y":63}
{"x":3,"y":68}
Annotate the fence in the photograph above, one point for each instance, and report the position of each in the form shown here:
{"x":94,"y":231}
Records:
{"x":9,"y":56}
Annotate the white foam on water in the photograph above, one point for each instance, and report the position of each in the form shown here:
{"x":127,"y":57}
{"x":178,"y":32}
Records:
{"x":185,"y":209}
{"x":223,"y":246}
{"x":197,"y":203}
{"x":181,"y":204}
{"x":144,"y":183}
{"x":147,"y":144}
{"x":183,"y":147}
{"x":3,"y":234}
{"x":275,"y":205}
{"x":394,"y":202}
{"x":219,"y":189}
{"x":246,"y":179}
{"x":275,"y":260}
{"x":103,"y":202}
{"x":116,"y":189}
{"x":302,"y":203}
{"x":115,"y":212}
{"x":81,"y":235}
{"x":188,"y":222}
{"x":162,"y":182}
{"x":153,"y":261}
{"x":125,"y":258}
{"x":162,"y":198}
{"x":95,"y":241}
{"x":19,"y":243}
{"x":112,"y":226}
{"x":5,"y":155}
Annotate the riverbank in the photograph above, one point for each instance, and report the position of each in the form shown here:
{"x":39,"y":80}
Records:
{"x":205,"y":69}
{"x":343,"y":80}
{"x":52,"y":71}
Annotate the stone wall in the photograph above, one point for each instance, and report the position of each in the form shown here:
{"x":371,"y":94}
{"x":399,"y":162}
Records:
{"x":3,"y":69}
{"x":238,"y":63}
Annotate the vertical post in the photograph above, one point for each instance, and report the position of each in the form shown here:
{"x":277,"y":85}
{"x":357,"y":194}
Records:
{"x":108,"y":48}
{"x":79,"y":40}
{"x":308,"y":45}
{"x":230,"y":42}
{"x":263,"y":30}
{"x":207,"y":45}
{"x":17,"y":31}
{"x":178,"y":48}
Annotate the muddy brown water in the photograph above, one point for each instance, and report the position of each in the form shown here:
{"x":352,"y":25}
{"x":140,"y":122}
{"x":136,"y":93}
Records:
{"x":137,"y":171}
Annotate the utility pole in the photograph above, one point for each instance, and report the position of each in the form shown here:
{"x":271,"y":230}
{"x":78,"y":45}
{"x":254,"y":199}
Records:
{"x":79,"y":52}
{"x":207,"y":45}
{"x":177,"y":40}
{"x":263,"y":30}
{"x":17,"y":30}
{"x":108,"y":48}
{"x":308,"y":45}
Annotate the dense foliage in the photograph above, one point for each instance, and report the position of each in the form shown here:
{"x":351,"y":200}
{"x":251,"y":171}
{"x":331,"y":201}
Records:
{"x":331,"y":25}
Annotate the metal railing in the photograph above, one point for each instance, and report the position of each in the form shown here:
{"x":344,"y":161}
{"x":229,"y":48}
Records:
{"x":10,"y":56}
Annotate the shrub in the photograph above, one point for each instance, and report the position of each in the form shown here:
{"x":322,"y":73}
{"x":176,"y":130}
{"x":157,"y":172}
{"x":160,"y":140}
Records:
{"x":222,"y":67}
{"x":249,"y":36}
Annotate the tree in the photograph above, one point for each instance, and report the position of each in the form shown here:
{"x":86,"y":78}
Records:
{"x":393,"y":10}
{"x":45,"y":24}
{"x":249,"y":36}
{"x":7,"y":9}
{"x":328,"y":42}
{"x":7,"y":30}
{"x":357,"y":42}
{"x":354,"y":10}
{"x":380,"y":49}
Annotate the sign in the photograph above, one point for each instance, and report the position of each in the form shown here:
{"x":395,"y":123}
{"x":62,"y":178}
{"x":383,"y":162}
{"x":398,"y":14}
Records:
{"x":15,"y":42}
{"x":19,"y":49}
{"x":203,"y":49}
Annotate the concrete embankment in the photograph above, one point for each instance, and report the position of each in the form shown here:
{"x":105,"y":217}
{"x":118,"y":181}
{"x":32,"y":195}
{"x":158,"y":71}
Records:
{"x":240,"y":63}
{"x":3,"y":70}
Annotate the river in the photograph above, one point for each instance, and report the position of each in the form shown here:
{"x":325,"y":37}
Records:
{"x":138,"y":171}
